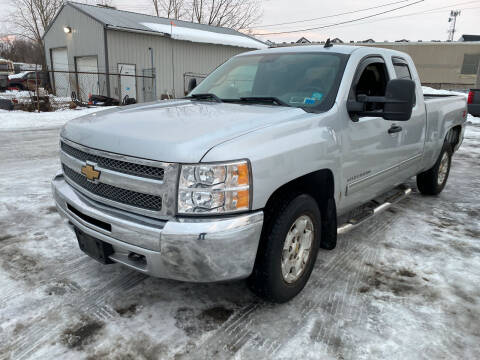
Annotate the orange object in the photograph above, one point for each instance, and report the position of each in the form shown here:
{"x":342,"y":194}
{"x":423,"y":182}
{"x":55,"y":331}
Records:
{"x":242,"y":172}
{"x":243,"y":199}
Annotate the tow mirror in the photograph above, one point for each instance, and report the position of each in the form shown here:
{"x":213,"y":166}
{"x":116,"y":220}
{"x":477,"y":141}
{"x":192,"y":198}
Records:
{"x":192,"y":84}
{"x":397,"y":102}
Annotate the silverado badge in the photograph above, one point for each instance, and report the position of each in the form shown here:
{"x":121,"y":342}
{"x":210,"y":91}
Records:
{"x":90,"y":172}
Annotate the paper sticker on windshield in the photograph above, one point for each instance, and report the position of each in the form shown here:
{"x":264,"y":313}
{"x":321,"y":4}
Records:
{"x":309,"y":101}
{"x":317,"y":96}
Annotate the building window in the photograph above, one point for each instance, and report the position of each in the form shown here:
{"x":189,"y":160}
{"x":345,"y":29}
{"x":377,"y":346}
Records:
{"x":470,"y":64}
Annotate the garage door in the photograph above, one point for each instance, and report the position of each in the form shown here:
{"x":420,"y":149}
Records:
{"x":60,"y":63}
{"x":87,"y":83}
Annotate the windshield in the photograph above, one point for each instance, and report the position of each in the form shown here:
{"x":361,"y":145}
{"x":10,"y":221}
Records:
{"x":4,"y":67}
{"x":307,"y":80}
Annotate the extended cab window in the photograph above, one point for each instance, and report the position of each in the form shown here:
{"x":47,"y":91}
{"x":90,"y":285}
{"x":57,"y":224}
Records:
{"x":402,"y":71}
{"x":306,"y":80}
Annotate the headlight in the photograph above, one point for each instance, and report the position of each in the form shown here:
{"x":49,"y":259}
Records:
{"x":214,"y":188}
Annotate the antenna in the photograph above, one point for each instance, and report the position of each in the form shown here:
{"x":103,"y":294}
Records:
{"x":328,"y":43}
{"x":453,"y":20}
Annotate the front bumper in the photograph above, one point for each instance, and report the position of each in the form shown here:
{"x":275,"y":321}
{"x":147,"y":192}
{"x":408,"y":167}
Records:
{"x":186,"y":249}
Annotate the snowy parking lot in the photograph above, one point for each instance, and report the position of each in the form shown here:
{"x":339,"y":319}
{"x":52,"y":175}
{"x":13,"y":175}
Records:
{"x":404,"y":285}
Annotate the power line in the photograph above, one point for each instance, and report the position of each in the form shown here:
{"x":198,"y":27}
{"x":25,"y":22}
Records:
{"x":431,"y":11}
{"x":330,"y":16}
{"x":416,"y":13}
{"x":341,"y":23}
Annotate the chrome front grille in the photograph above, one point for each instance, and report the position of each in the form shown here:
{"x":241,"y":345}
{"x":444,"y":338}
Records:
{"x":136,"y":185}
{"x":132,"y":198}
{"x":116,"y":165}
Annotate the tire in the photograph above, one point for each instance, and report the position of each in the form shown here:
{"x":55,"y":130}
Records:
{"x":433,"y":181}
{"x":268,"y":280}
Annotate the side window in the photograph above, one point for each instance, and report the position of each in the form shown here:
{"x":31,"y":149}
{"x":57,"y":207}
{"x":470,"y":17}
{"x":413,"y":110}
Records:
{"x":402,"y":71}
{"x":373,"y":82}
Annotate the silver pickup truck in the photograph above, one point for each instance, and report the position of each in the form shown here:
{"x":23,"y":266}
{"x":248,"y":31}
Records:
{"x":258,"y":167}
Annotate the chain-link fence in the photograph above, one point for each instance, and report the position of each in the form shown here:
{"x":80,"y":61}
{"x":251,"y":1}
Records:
{"x":188,"y":76}
{"x":124,"y":86}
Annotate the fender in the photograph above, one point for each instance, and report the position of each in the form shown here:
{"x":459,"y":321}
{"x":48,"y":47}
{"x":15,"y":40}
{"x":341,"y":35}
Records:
{"x":284,"y":152}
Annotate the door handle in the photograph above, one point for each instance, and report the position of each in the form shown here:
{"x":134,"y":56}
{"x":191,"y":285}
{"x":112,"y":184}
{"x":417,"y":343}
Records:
{"x":394,"y":129}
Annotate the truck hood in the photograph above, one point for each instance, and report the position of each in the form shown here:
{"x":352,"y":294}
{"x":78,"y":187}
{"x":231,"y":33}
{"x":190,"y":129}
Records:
{"x":180,"y":131}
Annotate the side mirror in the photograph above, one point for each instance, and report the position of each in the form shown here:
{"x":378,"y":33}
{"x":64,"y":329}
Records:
{"x":400,"y":96}
{"x":192,"y":84}
{"x":397,"y":102}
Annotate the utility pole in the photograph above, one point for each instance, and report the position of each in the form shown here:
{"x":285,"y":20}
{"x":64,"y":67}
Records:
{"x":453,"y":23}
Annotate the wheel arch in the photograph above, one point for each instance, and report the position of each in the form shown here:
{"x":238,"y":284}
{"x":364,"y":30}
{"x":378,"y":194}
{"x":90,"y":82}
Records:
{"x":320,"y":185}
{"x":453,"y":136}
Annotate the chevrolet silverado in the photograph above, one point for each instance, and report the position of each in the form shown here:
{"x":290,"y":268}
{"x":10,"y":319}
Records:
{"x":263,"y":163}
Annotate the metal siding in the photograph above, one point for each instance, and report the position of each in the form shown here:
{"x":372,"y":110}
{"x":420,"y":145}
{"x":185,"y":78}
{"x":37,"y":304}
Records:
{"x":437,"y":63}
{"x":132,"y":48}
{"x":131,"y":20}
{"x":86,"y":38}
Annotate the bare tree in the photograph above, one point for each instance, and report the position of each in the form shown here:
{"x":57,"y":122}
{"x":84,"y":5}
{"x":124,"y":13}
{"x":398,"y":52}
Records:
{"x":235,"y":14}
{"x":172,"y":9}
{"x":21,"y":50}
{"x":32,"y":17}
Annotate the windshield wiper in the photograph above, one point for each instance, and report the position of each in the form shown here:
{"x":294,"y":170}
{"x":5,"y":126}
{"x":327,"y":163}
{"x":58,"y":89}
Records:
{"x":205,"y":96}
{"x":264,"y":99}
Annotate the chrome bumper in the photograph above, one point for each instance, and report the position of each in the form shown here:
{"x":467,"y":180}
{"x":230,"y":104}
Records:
{"x":186,"y":249}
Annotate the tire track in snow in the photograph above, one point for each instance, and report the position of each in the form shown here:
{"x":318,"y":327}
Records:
{"x":243,"y":333}
{"x":93,"y":302}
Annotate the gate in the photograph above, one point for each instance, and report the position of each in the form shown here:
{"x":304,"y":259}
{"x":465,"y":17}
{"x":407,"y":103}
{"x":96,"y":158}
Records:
{"x":149,"y":85}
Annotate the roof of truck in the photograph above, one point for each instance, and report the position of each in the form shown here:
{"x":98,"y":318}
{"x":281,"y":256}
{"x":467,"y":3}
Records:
{"x":335,"y":48}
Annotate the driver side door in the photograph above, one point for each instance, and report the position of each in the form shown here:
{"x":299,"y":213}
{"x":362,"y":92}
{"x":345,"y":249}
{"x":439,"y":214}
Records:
{"x":371,"y":149}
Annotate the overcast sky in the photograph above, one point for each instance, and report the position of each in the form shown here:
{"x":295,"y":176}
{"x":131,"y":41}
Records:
{"x":427,"y":20}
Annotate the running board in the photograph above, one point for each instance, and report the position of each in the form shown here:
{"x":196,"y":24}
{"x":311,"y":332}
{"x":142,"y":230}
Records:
{"x":352,"y":223}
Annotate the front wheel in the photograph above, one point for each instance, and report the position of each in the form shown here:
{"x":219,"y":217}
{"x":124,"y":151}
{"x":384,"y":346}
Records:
{"x":288,"y":250}
{"x":432,"y":181}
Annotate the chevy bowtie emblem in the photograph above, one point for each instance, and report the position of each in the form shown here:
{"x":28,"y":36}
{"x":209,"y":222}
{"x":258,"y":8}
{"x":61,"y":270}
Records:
{"x":90,"y":172}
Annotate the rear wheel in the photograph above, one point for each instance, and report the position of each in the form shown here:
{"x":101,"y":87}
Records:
{"x":433,"y":181}
{"x":288,"y":250}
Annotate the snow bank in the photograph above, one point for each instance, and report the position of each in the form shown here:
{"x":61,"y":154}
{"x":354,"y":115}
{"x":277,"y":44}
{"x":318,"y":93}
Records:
{"x":208,"y":37}
{"x":474,"y":120}
{"x":431,"y":91}
{"x":17,"y":76}
{"x":22,"y":120}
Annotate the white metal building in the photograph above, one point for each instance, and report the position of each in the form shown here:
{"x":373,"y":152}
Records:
{"x":90,"y":39}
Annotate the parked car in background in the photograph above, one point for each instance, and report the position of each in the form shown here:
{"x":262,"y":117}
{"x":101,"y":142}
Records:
{"x":474,"y":102}
{"x":261,"y":165}
{"x":6,"y":69}
{"x":28,"y":80}
{"x":6,"y":104}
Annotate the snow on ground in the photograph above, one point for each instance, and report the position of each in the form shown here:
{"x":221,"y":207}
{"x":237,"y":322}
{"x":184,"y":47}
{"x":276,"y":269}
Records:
{"x":404,"y":285}
{"x":18,"y":120}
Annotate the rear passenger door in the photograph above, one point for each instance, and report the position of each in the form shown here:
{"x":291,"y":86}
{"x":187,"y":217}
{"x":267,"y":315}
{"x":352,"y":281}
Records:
{"x":412,"y":136}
